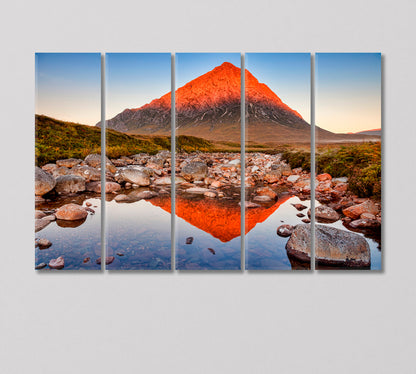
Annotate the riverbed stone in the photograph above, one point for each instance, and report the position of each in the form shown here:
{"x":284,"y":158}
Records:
{"x":71,"y":212}
{"x":133,"y":176}
{"x":355,"y":211}
{"x":364,"y":223}
{"x":110,"y":187}
{"x":326,"y":213}
{"x":332,"y":246}
{"x":284,"y":230}
{"x":41,"y":223}
{"x":66,"y":184}
{"x":68,"y":162}
{"x":266,"y":191}
{"x":44,"y":182}
{"x":89,"y":173}
{"x":57,"y":263}
{"x":195,"y":171}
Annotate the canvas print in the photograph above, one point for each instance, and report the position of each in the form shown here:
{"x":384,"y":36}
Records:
{"x":138,"y":176}
{"x":67,"y":157}
{"x":348,"y":161}
{"x":208,"y":133}
{"x":277,"y":158}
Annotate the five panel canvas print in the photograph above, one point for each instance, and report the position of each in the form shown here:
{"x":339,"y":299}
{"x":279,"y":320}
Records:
{"x":198,"y":188}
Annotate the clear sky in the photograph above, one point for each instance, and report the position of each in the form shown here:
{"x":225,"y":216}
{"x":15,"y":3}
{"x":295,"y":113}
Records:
{"x":191,"y":65}
{"x":135,"y":79}
{"x":68,"y":86}
{"x":288,"y":75}
{"x":348,"y":91}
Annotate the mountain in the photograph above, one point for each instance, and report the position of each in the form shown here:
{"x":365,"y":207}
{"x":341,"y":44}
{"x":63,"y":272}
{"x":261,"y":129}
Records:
{"x":210,"y":107}
{"x":370,"y":132}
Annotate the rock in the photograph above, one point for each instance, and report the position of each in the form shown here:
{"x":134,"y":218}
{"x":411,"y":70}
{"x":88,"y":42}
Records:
{"x":326,"y":213}
{"x":284,"y":230}
{"x":236,"y":161}
{"x":86,"y":259}
{"x":364,"y":223}
{"x":332,"y":246}
{"x":44,"y":243}
{"x":66,"y":184}
{"x":266,"y":191}
{"x":355,"y":211}
{"x":299,"y":206}
{"x":306,"y":220}
{"x":134,"y":177}
{"x":63,"y":170}
{"x":262,"y":199}
{"x":121,"y":197}
{"x":108,"y":260}
{"x":44,"y":182}
{"x":94,"y":160}
{"x":216,"y":184}
{"x":71,"y":212}
{"x":138,"y":195}
{"x":39,"y":214}
{"x":50,"y":217}
{"x":249,"y":205}
{"x":120,"y":254}
{"x":189,"y":240}
{"x":300,"y":215}
{"x":40,"y":266}
{"x":212,"y":250}
{"x":197,"y":190}
{"x":110,"y":187}
{"x":284,"y":169}
{"x":57,"y":263}
{"x":49,"y":168}
{"x":40,"y":224}
{"x":89,"y":173}
{"x":272,"y":176}
{"x":195,"y":171}
{"x":340,"y":180}
{"x":210,"y":194}
{"x":293,"y":178}
{"x":367,"y":216}
{"x":69,"y":162}
{"x":323,"y":177}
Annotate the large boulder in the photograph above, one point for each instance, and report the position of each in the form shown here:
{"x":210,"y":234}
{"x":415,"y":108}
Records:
{"x":355,"y":211}
{"x":133,"y":176}
{"x":90,"y":173}
{"x":71,"y":212}
{"x":44,"y":182}
{"x":195,"y":171}
{"x":94,"y":160}
{"x":66,"y":184}
{"x":68,"y":162}
{"x":62,"y":170}
{"x":332,"y":246}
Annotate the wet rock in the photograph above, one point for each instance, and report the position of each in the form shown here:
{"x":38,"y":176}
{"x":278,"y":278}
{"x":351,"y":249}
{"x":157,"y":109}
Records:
{"x":39,"y":214}
{"x":120,"y":254}
{"x":44,"y":182}
{"x":284,"y":230}
{"x":250,"y":205}
{"x":367,"y":216}
{"x":57,"y":263}
{"x":195,"y":171}
{"x":266,"y":191}
{"x":189,"y":240}
{"x":210,"y":194}
{"x":355,"y":211}
{"x":212,"y":250}
{"x":300,"y":215}
{"x":262,"y":199}
{"x":40,"y":266}
{"x":121,"y":197}
{"x":66,"y":184}
{"x":41,"y":224}
{"x":236,"y":161}
{"x":326,"y":213}
{"x":197,"y":190}
{"x":134,"y":176}
{"x":364,"y":223}
{"x":89,"y":173}
{"x":44,"y":243}
{"x":333,"y":246}
{"x":71,"y":212}
{"x":138,"y":195}
{"x":306,"y":220}
{"x":108,"y":260}
{"x":216,"y":184}
{"x":110,"y":187}
{"x":299,"y":206}
{"x":86,"y":259}
{"x":69,"y":162}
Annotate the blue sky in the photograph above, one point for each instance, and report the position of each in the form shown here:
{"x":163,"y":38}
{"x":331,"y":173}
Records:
{"x":348,"y":91}
{"x":288,"y":75}
{"x":135,"y":79}
{"x":191,"y":65}
{"x":68,"y":86}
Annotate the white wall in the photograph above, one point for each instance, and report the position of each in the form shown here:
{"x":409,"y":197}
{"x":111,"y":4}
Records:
{"x":320,"y":322}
